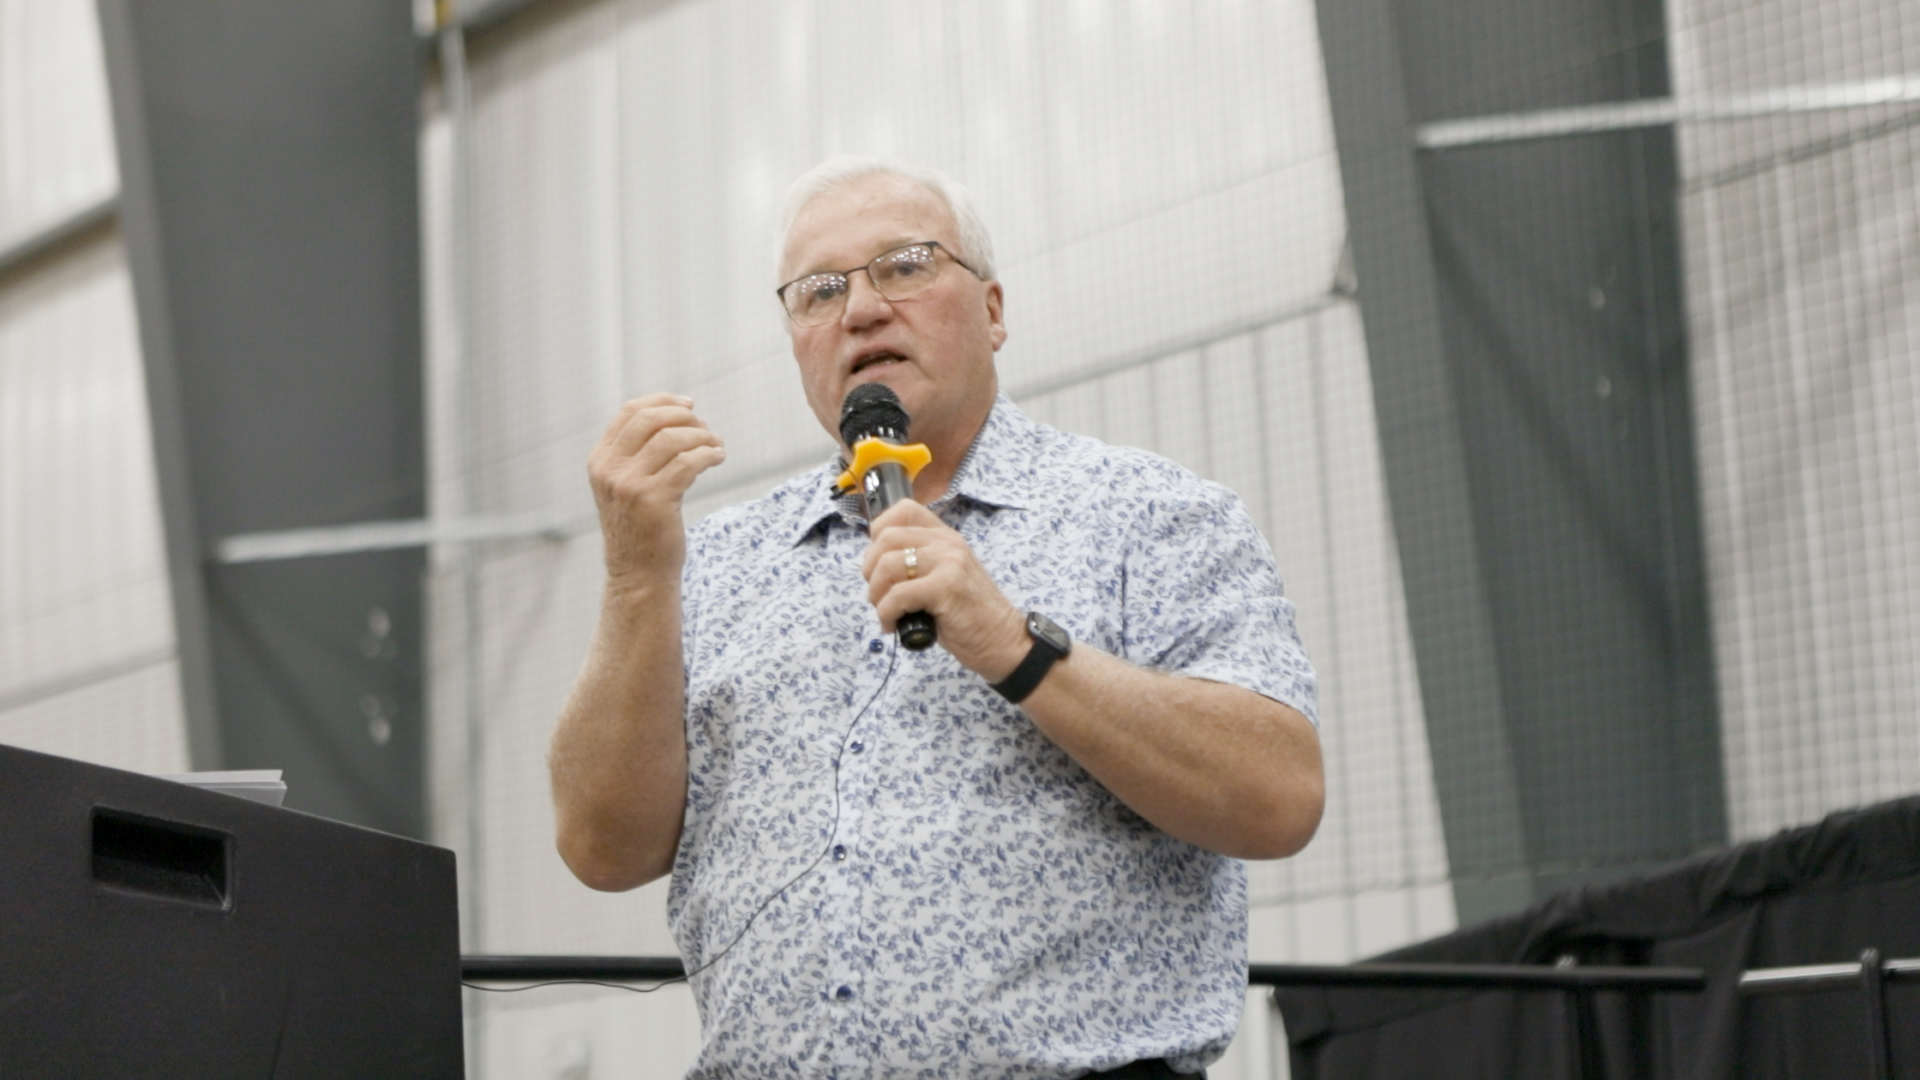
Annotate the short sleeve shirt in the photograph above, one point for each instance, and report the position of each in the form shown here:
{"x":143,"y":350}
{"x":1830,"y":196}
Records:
{"x":885,"y":869}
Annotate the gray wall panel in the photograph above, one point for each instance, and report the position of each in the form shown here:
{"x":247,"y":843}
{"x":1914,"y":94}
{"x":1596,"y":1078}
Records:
{"x":269,"y":157}
{"x":1523,"y":315}
{"x":1425,"y":457}
{"x":1565,"y":337}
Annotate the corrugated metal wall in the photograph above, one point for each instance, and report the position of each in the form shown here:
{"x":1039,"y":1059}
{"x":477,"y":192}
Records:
{"x":86,"y":632}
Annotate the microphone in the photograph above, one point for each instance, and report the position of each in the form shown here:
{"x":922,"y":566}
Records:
{"x":874,"y":426}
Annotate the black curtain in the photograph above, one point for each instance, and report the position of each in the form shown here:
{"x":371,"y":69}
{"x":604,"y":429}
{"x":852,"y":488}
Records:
{"x":1812,"y":895}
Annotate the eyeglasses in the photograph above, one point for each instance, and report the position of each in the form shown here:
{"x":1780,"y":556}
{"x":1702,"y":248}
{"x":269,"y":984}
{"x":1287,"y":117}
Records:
{"x":900,"y":274}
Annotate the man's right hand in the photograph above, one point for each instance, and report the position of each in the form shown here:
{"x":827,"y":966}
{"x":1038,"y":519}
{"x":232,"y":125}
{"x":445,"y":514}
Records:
{"x":641,"y":469}
{"x":619,"y":754}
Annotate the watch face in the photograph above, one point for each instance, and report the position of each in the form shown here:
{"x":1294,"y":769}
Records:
{"x":1043,"y":629}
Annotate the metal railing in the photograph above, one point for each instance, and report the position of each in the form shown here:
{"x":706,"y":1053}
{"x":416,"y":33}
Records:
{"x":1870,"y":975}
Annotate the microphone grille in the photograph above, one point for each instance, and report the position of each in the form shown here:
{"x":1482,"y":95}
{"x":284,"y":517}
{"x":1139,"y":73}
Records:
{"x":872,"y":409}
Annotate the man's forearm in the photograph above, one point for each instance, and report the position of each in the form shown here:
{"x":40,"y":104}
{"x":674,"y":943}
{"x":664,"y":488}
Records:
{"x":619,"y":753}
{"x":1215,"y":765}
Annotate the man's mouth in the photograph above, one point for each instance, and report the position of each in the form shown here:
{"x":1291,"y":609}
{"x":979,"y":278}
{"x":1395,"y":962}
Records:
{"x":875,"y":359}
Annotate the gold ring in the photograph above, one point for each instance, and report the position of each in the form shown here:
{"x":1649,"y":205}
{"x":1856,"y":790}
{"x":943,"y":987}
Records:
{"x":913,"y":562}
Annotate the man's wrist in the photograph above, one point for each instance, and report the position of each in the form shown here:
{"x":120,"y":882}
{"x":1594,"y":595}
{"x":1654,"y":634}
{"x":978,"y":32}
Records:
{"x":1012,"y":649}
{"x":637,"y":595}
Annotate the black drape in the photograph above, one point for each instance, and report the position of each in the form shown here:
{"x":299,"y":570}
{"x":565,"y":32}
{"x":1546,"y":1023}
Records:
{"x":1811,"y":895}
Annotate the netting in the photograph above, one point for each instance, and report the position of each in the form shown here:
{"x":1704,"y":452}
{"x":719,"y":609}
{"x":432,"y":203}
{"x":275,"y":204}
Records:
{"x":1563,"y":354}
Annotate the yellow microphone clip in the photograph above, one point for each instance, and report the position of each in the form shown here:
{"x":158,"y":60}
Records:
{"x":870,"y":452}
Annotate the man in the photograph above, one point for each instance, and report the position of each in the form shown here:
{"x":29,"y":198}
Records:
{"x":883,"y":866}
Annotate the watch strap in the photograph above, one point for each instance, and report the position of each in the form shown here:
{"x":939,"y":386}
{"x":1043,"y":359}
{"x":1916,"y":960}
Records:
{"x":1040,"y":658}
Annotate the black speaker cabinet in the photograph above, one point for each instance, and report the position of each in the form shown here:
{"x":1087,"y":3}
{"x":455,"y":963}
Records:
{"x":149,"y":929}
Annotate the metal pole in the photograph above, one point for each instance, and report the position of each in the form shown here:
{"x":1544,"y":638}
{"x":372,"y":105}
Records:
{"x":1583,"y":1035}
{"x":1425,"y":976}
{"x":614,"y":969}
{"x":453,"y":84}
{"x":1873,"y":987}
{"x":1588,"y":1059}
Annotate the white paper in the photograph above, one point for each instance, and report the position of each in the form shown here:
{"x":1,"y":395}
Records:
{"x":260,"y":785}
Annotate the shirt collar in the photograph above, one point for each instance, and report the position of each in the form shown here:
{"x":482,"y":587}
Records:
{"x":997,"y":472}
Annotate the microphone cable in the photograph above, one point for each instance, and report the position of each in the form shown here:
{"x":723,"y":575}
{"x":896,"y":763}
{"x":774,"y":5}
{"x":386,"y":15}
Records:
{"x":833,"y":831}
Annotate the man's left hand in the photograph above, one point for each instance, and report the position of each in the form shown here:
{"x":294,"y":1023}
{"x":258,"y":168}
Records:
{"x":977,"y":624}
{"x":1208,"y":762}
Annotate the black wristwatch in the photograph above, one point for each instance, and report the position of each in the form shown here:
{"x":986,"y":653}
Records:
{"x":1050,"y":643}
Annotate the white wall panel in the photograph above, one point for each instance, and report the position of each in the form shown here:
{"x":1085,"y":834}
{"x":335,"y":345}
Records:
{"x":1234,"y":258}
{"x":887,"y":81}
{"x":1004,"y":60}
{"x":1736,"y":46}
{"x":125,"y":721}
{"x":545,"y":326}
{"x":1802,"y":265}
{"x":83,"y":577}
{"x":1127,"y":408}
{"x":712,"y":136}
{"x":1179,"y":389}
{"x":86,"y":630}
{"x":1156,"y":103}
{"x":56,"y":136}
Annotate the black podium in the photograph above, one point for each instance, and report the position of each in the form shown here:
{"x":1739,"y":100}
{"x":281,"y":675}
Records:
{"x":150,"y":929}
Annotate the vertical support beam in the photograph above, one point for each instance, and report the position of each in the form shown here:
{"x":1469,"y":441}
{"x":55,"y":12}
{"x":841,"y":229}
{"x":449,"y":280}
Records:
{"x":1428,"y":479}
{"x":269,"y":165}
{"x":1524,"y":323}
{"x":166,"y":408}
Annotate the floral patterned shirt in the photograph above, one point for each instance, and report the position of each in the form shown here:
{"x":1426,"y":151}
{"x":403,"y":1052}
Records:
{"x":885,"y":869}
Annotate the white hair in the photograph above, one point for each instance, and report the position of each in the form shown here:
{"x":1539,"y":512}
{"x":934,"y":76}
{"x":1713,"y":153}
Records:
{"x":835,"y":174}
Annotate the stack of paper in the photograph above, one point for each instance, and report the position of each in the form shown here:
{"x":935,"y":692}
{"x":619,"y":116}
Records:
{"x":260,"y":785}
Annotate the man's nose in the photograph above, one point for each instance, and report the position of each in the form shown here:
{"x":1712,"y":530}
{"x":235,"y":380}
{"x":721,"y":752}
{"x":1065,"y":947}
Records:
{"x":865,"y":305}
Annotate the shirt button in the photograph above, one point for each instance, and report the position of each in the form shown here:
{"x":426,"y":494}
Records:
{"x":858,"y":747}
{"x":845,"y":993}
{"x":839,"y":853}
{"x":875,"y":645}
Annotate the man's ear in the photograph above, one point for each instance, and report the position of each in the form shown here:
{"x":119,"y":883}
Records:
{"x":995,"y":308}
